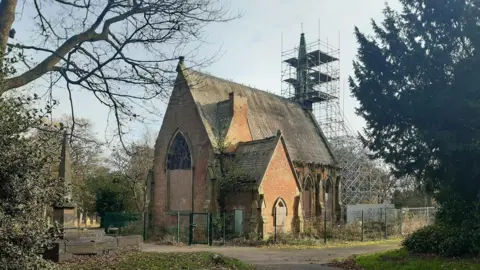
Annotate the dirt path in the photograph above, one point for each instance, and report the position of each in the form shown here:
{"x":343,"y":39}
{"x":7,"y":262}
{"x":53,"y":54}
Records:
{"x":283,"y":259}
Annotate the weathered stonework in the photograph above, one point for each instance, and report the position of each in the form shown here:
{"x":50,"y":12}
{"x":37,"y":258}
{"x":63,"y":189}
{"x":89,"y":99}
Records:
{"x":64,"y":250}
{"x":212,"y":113}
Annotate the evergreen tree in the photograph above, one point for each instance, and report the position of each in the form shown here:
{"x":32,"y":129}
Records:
{"x":419,"y":91}
{"x":27,"y":189}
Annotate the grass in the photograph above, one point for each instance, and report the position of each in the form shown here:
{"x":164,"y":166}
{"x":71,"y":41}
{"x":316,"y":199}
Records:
{"x":310,"y":245}
{"x":402,"y":260}
{"x":157,"y":261}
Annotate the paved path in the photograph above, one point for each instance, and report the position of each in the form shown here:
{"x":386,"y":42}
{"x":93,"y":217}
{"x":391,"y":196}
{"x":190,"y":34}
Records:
{"x":282,"y":259}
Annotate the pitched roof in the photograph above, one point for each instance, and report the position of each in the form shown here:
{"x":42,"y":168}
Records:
{"x":267,"y":113}
{"x":253,"y":157}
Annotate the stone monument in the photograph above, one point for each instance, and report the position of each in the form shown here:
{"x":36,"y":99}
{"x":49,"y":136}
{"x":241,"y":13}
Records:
{"x":64,"y":211}
{"x":74,"y":241}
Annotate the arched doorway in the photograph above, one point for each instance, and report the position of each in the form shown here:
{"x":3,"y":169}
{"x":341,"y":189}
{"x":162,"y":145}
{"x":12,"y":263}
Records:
{"x":179,"y":174}
{"x":280,"y":213}
{"x":307,"y":197}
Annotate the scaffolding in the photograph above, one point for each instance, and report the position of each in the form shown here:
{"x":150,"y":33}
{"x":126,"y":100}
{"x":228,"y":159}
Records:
{"x":310,"y":75}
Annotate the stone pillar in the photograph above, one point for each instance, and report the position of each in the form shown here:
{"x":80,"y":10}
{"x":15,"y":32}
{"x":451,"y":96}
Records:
{"x":253,"y":217}
{"x":265,"y":227}
{"x":64,"y":211}
{"x":301,"y":220}
{"x":65,"y":216}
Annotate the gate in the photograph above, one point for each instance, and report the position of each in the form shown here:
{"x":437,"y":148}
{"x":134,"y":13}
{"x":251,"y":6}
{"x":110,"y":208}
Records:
{"x":200,"y":229}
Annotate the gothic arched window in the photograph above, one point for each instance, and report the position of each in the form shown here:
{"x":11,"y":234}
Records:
{"x":179,"y":157}
{"x":307,"y":197}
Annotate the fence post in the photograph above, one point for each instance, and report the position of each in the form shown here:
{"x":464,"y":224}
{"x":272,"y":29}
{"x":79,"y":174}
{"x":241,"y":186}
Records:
{"x":385,"y":222}
{"x":144,"y":217}
{"x":401,"y":221}
{"x":325,"y":226}
{"x":178,"y":227}
{"x":190,"y":238}
{"x":210,"y":228}
{"x":362,"y":225}
{"x":426,"y":214}
{"x":224,"y":226}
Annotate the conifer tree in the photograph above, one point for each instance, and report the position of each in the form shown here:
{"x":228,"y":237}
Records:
{"x":417,"y":83}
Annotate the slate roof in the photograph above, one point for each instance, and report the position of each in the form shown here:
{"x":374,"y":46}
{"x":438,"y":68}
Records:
{"x":267,"y":113}
{"x":253,"y":157}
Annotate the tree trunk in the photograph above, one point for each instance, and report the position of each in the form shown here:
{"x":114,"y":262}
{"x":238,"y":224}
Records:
{"x":7,"y":16}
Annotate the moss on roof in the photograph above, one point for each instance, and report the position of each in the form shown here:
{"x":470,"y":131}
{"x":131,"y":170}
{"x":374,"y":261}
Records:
{"x":267,"y":113}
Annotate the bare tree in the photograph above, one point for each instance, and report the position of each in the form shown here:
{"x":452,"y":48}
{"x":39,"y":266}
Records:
{"x":134,"y":163}
{"x":121,"y":51}
{"x":85,"y":154}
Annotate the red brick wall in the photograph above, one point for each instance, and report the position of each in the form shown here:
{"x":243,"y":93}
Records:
{"x":239,"y":131}
{"x":319,"y":176}
{"x":279,"y":181}
{"x":181,"y":113}
{"x":240,"y":200}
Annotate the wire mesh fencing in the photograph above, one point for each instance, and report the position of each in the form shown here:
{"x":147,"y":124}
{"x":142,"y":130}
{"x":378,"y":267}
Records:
{"x":123,"y":223}
{"x":370,"y":224}
{"x":231,"y":227}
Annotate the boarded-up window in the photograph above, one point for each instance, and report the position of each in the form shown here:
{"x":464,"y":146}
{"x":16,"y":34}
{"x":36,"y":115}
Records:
{"x":179,"y":174}
{"x":307,"y":197}
{"x":280,"y":215}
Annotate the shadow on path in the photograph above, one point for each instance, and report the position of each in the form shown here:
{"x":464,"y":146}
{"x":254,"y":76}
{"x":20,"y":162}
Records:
{"x":282,"y":259}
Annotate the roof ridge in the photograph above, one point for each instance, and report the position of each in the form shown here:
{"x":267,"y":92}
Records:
{"x":259,"y":141}
{"x":241,"y":84}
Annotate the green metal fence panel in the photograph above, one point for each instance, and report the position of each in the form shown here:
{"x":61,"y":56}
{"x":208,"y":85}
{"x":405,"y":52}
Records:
{"x":200,"y":228}
{"x":127,"y":223}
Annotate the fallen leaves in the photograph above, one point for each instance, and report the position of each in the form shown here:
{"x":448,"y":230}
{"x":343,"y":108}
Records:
{"x":146,"y":261}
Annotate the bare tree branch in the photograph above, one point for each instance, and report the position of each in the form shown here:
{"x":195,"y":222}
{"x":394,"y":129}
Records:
{"x":121,"y":51}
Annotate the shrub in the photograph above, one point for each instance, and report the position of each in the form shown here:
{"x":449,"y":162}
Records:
{"x":445,"y":241}
{"x":426,"y":240}
{"x":27,"y":187}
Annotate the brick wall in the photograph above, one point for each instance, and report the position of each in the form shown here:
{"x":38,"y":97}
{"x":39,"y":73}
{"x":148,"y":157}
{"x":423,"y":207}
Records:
{"x":238,"y":131}
{"x":319,"y":175}
{"x":243,"y":201}
{"x":279,"y":182}
{"x":181,"y":114}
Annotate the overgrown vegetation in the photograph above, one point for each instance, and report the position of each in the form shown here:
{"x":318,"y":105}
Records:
{"x":445,"y":240}
{"x":402,"y":260}
{"x":157,"y":261}
{"x":26,"y":187}
{"x":418,"y":90}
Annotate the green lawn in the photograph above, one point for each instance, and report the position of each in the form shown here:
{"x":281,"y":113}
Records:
{"x":147,"y":261}
{"x":402,"y":260}
{"x":302,"y":244}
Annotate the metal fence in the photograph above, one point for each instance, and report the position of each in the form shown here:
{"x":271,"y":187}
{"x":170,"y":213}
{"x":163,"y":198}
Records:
{"x":206,"y":228}
{"x":123,"y":223}
{"x":371,"y":224}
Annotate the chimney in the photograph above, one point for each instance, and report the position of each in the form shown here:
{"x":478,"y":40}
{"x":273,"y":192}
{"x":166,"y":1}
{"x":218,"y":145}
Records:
{"x":239,"y":131}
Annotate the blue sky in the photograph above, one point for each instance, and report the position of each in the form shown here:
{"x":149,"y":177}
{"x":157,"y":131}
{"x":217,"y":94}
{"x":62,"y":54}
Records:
{"x":251,"y":49}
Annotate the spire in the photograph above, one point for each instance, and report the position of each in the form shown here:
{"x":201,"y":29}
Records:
{"x":302,"y":68}
{"x":180,"y":64}
{"x":64,"y":171}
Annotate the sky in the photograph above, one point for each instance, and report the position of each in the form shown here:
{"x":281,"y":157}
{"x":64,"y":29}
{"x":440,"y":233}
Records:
{"x":251,"y":49}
